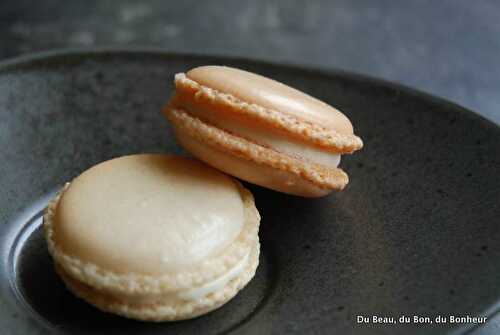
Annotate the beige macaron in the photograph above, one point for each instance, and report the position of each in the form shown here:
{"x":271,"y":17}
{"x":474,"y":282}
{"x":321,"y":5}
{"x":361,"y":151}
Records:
{"x":154,"y":237}
{"x":260,"y":130}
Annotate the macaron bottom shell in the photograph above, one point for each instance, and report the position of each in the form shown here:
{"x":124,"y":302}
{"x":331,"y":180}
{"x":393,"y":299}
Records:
{"x":169,"y":308}
{"x":262,"y":175}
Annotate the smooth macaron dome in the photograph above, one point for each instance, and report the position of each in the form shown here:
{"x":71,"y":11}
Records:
{"x":154,"y":237}
{"x":265,"y":122}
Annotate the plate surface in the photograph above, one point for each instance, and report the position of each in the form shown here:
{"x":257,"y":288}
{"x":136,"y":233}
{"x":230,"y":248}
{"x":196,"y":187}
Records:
{"x":415,"y":233}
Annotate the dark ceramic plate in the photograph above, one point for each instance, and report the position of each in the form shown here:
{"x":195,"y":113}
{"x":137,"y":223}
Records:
{"x":416,"y":232}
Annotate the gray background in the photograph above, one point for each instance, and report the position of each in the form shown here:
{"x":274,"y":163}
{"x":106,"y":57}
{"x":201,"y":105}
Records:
{"x":450,"y":48}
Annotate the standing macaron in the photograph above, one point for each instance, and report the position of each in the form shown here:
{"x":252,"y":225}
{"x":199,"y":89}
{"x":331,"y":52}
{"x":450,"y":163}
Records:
{"x":261,"y":131}
{"x":154,"y":237}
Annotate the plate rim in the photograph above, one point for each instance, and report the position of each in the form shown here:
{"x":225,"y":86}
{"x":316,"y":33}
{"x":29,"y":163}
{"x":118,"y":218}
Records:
{"x":18,"y":62}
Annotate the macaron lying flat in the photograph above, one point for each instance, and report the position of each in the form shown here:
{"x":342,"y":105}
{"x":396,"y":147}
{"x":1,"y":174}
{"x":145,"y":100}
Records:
{"x":260,"y":130}
{"x":154,"y":237}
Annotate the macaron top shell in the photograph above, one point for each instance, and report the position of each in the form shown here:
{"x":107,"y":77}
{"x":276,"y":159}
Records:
{"x":268,"y":93}
{"x":224,"y":109}
{"x":148,"y":214}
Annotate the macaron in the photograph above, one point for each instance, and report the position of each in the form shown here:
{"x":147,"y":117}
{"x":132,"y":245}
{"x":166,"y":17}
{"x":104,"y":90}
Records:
{"x":154,"y":237}
{"x":261,"y":131}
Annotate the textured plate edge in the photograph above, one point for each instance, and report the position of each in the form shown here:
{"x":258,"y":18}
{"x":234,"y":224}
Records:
{"x":12,"y":235}
{"x":14,"y":63}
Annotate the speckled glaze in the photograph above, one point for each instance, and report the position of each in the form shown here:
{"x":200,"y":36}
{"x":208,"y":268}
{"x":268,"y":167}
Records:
{"x":415,"y":232}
